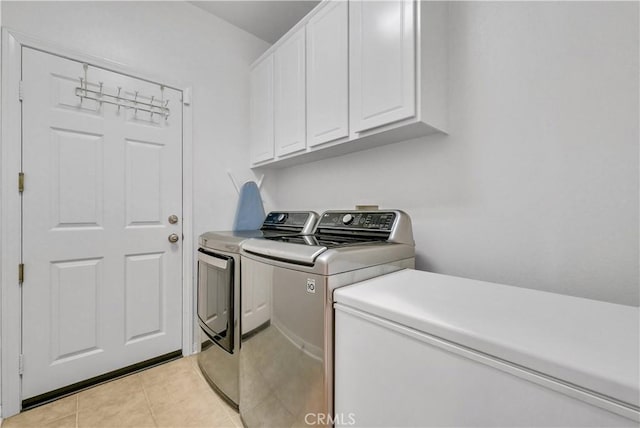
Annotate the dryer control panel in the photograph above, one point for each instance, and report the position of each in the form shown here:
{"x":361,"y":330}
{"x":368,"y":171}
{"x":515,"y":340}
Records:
{"x":296,"y":221}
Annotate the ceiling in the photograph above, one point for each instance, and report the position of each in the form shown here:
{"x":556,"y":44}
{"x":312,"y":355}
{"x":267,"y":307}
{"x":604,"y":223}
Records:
{"x":266,"y":19}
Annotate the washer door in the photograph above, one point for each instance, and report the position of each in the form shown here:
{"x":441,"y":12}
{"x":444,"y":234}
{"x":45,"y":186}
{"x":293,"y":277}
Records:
{"x":285,"y":355}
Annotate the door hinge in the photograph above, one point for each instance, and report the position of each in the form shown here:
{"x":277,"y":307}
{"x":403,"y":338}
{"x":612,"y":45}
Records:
{"x":21,"y":273}
{"x":21,"y":364}
{"x":20,"y":91}
{"x":21,"y":182}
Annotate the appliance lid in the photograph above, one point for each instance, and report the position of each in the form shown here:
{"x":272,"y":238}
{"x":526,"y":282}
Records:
{"x":227,"y":240}
{"x":304,"y":254}
{"x":276,"y":223}
{"x":326,"y":240}
{"x":592,"y":344}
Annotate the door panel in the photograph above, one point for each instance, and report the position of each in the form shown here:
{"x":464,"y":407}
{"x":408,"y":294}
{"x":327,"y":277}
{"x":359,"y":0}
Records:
{"x":289,"y":85}
{"x":328,"y":74}
{"x":74,"y":319}
{"x":143,"y":296}
{"x":144,"y":183}
{"x":76,"y":167}
{"x":262,"y":138}
{"x":102,"y":285}
{"x":382,"y":46}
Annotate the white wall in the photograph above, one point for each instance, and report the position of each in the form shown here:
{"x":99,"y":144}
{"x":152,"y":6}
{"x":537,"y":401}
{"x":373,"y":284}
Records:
{"x":184,"y":43}
{"x":537,"y":183}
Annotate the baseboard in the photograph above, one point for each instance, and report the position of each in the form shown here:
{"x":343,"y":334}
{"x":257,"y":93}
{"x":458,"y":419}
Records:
{"x":50,"y":396}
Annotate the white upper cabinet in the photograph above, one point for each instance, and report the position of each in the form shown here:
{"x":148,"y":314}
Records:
{"x":290,"y":96}
{"x":383,"y":72}
{"x":328,"y":74}
{"x":261,"y":114}
{"x":350,"y":76}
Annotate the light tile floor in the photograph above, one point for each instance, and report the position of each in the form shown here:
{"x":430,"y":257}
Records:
{"x":170,"y":395}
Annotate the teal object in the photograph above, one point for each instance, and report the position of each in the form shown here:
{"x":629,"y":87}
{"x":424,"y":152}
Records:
{"x":250,"y":211}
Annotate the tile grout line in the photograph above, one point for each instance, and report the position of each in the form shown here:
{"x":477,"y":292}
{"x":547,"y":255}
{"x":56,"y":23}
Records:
{"x":146,"y":397}
{"x":220,"y":410}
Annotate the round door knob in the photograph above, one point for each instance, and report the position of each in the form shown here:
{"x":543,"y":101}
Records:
{"x":173,"y":219}
{"x":347,"y":219}
{"x":173,"y":238}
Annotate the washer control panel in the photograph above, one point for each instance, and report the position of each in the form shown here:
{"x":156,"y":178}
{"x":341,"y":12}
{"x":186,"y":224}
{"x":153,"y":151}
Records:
{"x":354,"y":220}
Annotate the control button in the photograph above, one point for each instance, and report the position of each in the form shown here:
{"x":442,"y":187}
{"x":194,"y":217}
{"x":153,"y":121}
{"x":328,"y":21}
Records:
{"x":347,"y":219}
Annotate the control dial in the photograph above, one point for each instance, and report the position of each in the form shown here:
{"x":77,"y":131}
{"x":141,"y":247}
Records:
{"x":281,"y":217}
{"x":347,"y":219}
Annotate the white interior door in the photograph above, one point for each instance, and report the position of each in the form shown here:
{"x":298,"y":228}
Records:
{"x":102,"y":287}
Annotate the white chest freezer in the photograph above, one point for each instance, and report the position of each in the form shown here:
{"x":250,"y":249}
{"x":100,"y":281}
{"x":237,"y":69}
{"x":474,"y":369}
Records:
{"x":419,"y":349}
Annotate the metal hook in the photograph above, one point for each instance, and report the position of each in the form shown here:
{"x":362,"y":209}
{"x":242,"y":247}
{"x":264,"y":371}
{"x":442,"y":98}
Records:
{"x":81,"y":85}
{"x":166,"y":109}
{"x":85,"y":67}
{"x":118,"y":98}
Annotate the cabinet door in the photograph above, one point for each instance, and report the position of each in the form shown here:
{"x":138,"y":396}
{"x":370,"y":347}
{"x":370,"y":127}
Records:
{"x":261,"y":146}
{"x":328,"y":74}
{"x":382,"y":75}
{"x":290,"y":129}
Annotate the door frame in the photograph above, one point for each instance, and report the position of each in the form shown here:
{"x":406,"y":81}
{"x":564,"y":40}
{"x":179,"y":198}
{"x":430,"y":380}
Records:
{"x":10,"y":203}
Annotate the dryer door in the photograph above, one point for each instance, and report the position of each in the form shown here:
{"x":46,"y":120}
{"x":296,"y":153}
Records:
{"x":215,"y":297}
